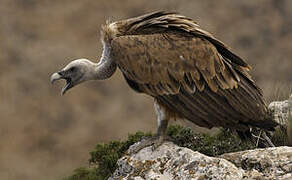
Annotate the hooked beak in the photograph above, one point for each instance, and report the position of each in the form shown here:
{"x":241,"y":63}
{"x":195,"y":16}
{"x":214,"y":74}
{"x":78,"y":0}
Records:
{"x":57,"y":76}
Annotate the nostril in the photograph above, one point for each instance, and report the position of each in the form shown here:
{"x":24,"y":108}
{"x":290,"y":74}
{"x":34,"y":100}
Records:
{"x":61,"y":73}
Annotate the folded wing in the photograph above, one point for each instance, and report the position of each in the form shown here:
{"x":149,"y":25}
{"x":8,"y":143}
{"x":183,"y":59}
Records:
{"x":169,"y":57}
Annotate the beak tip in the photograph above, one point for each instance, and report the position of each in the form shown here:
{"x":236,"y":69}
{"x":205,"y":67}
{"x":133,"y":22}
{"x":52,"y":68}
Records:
{"x":54,"y":77}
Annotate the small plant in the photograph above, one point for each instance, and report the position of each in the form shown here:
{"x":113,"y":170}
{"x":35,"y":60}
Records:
{"x":280,"y":137}
{"x":104,"y":158}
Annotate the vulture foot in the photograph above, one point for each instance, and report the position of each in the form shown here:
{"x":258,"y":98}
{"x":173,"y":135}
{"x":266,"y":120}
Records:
{"x":155,"y":142}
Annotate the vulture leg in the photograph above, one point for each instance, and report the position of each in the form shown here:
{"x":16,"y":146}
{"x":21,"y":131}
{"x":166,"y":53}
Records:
{"x":162,"y":119}
{"x":268,"y":140}
{"x":160,"y":136}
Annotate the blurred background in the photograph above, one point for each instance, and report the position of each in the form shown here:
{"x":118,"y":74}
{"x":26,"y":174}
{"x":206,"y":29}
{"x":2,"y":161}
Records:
{"x":45,"y":136}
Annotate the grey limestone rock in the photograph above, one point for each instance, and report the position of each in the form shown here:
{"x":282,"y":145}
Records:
{"x":172,"y":162}
{"x":282,"y":113}
{"x":268,"y":163}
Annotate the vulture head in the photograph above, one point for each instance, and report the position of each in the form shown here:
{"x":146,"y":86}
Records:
{"x":74,"y":73}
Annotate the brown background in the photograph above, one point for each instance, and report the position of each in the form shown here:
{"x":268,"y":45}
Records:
{"x":45,"y":136}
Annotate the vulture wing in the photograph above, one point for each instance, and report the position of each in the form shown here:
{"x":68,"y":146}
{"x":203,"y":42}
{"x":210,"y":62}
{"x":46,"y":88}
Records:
{"x":186,"y":69}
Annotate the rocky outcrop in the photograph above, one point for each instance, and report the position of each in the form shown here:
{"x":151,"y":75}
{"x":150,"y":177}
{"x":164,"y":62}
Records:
{"x":170,"y":161}
{"x":269,"y":163}
{"x":282,"y":113}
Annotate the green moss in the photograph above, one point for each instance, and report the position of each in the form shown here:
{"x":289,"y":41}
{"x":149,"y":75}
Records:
{"x":105,"y":155}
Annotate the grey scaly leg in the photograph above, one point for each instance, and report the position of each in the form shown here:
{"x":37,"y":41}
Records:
{"x":160,"y":137}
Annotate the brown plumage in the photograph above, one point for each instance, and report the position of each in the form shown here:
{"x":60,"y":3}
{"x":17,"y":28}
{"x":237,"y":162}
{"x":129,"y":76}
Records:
{"x":187,"y":70}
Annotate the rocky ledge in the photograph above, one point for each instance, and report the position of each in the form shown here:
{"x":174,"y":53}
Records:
{"x":170,"y":161}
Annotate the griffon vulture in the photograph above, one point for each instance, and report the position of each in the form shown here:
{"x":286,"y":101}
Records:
{"x":189,"y":73}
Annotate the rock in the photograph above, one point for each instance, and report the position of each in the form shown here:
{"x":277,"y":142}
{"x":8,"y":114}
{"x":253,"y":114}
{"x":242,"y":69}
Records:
{"x":170,"y":161}
{"x":269,"y":163}
{"x":282,"y":113}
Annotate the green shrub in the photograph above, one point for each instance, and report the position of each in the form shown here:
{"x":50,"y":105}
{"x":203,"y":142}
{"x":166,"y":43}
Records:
{"x":223,"y":142}
{"x":104,"y":157}
{"x":280,"y":137}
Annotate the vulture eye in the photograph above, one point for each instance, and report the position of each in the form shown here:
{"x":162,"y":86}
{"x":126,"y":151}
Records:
{"x":72,"y":69}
